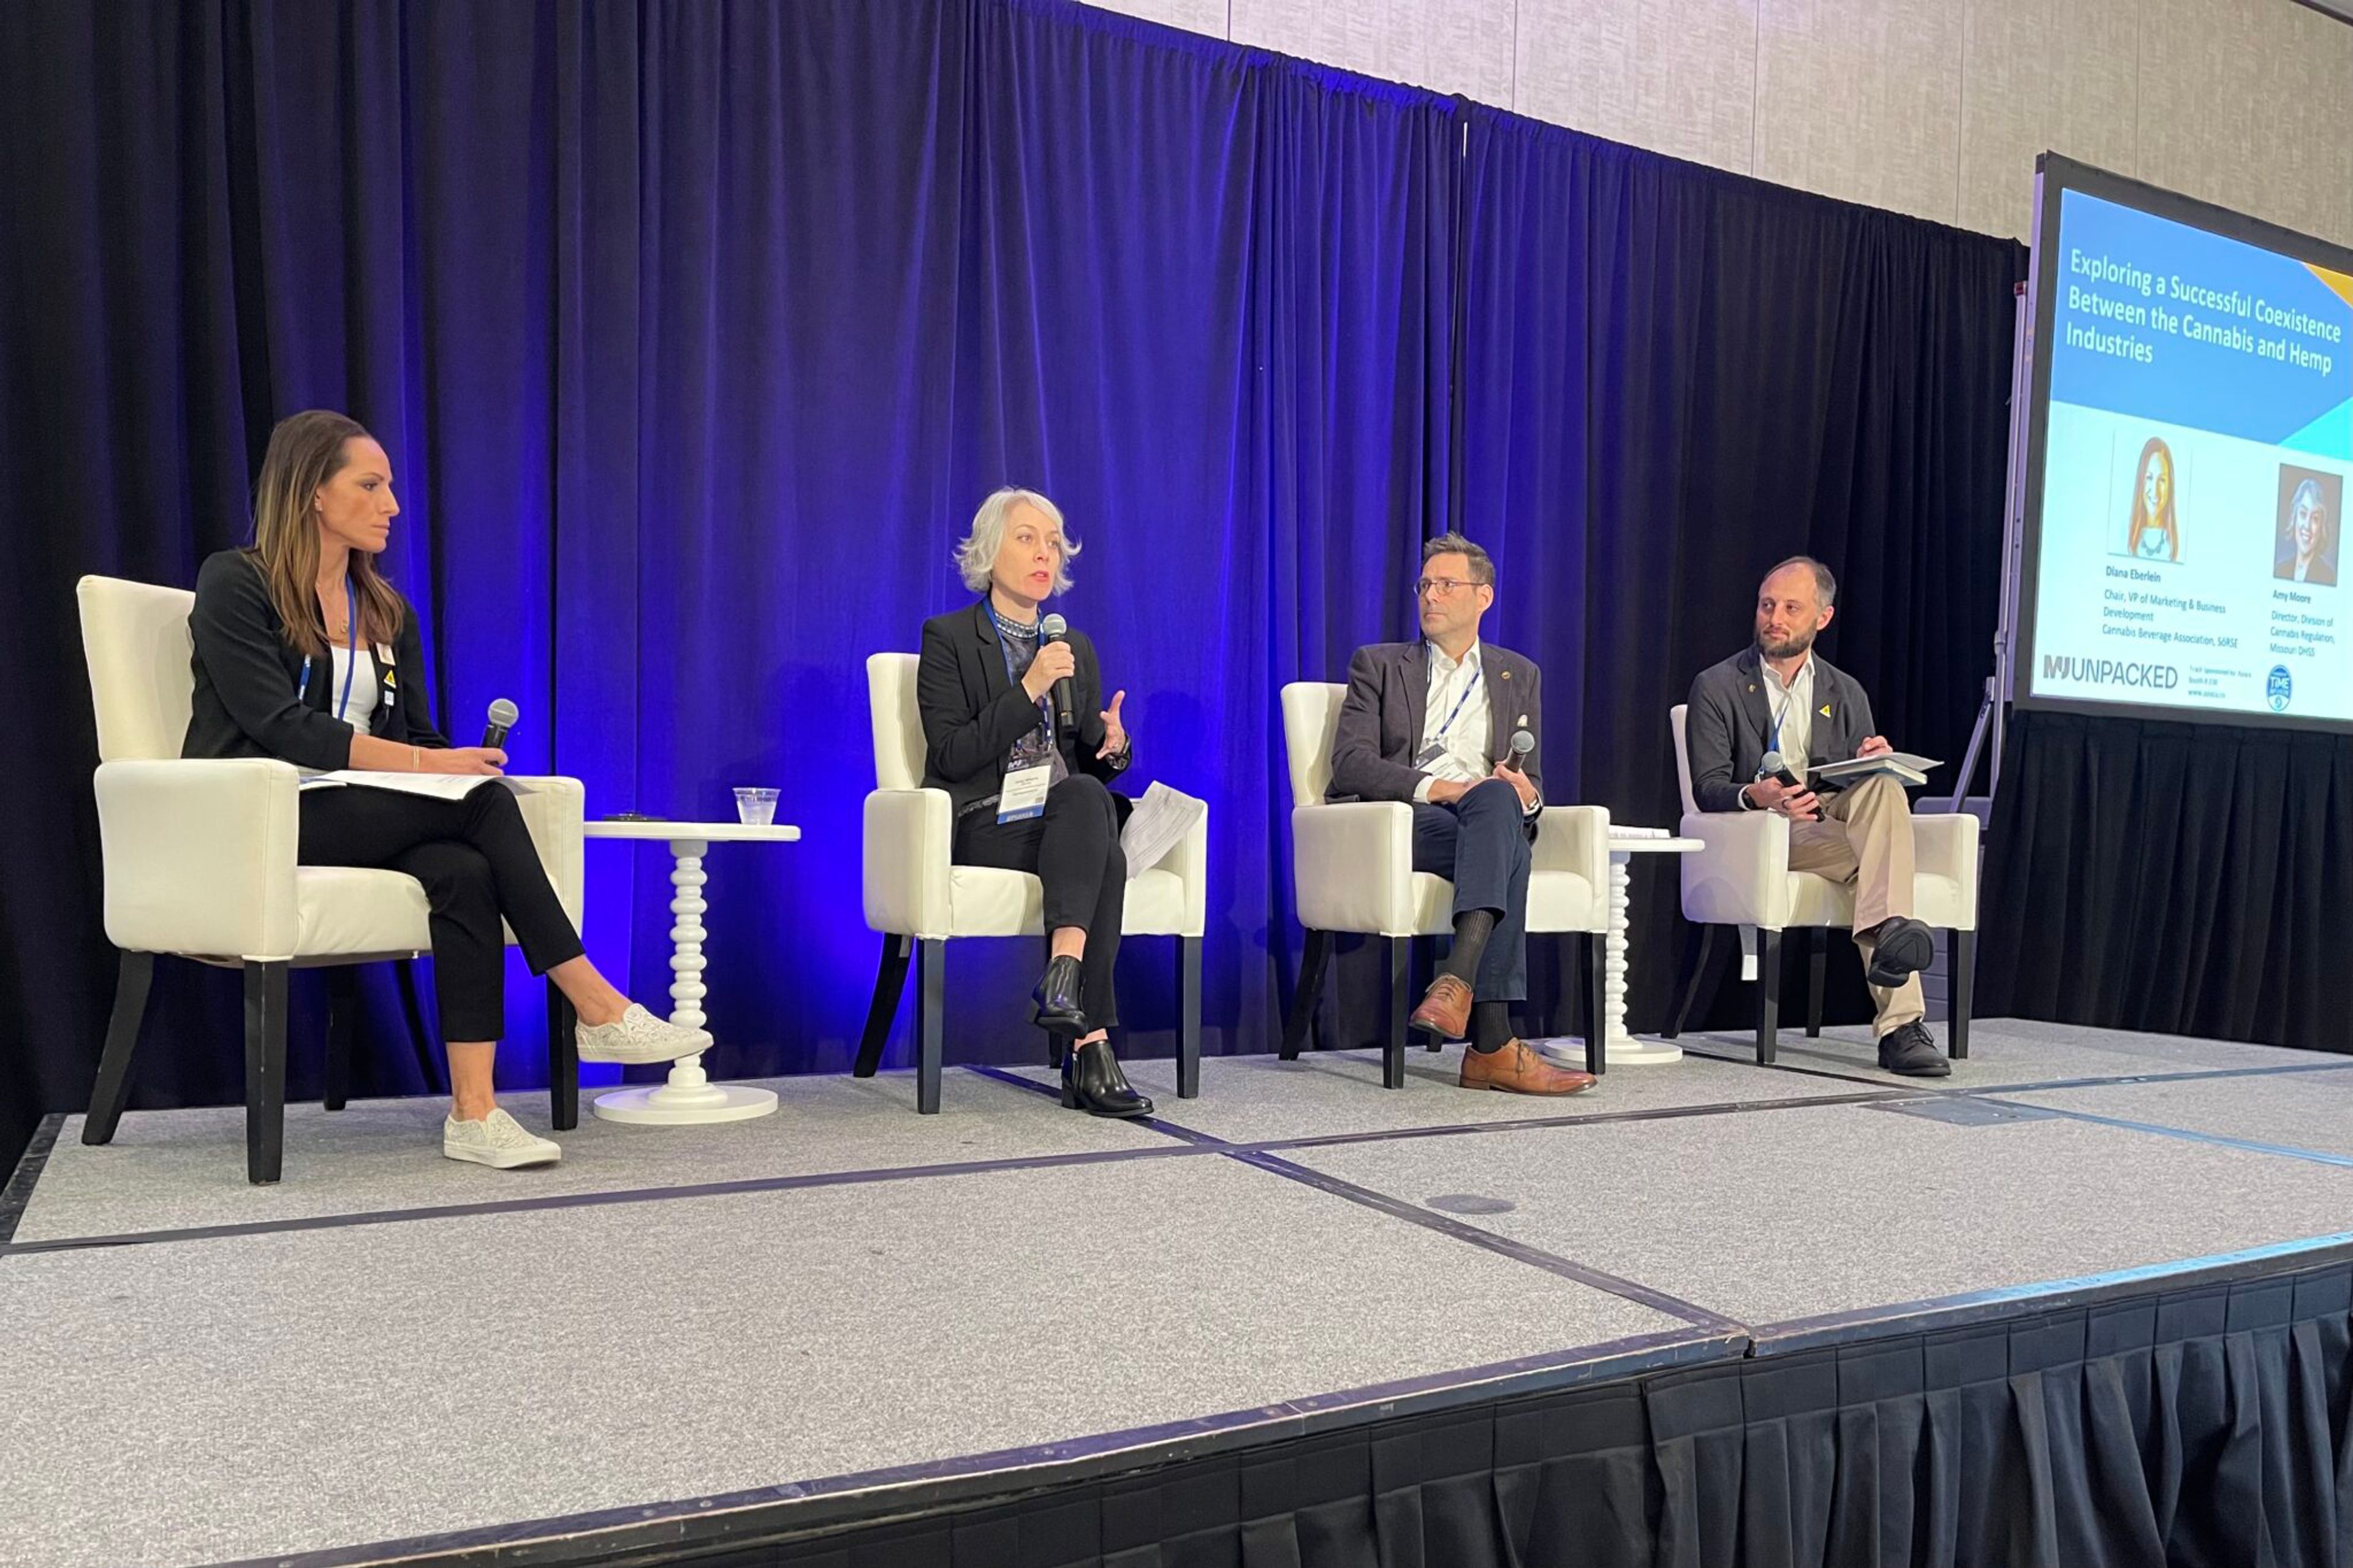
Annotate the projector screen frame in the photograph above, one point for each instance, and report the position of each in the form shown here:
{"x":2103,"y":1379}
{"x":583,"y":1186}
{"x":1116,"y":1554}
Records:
{"x":2054,"y":175}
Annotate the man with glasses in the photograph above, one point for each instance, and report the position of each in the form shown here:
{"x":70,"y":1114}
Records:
{"x":1432,"y":723}
{"x":1779,"y":698}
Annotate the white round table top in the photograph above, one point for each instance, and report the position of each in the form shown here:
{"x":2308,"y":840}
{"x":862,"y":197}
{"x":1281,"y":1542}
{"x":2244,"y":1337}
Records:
{"x":1632,"y":846}
{"x":707,"y":832}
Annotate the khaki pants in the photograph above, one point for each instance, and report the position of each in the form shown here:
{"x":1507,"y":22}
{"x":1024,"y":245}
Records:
{"x":1864,"y":841}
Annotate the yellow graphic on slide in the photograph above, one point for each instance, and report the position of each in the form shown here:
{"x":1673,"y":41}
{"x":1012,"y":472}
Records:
{"x":2339,"y":283}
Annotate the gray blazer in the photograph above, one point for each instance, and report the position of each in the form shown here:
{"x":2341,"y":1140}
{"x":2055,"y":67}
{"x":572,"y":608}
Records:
{"x":1731,"y":713}
{"x":1382,"y":716}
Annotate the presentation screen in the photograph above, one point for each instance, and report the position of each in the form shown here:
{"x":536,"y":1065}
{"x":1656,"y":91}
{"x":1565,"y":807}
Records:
{"x":2187,"y":460}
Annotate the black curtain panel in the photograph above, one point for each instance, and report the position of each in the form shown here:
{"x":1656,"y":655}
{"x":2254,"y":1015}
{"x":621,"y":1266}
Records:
{"x":2180,"y":879}
{"x":2201,"y":1427}
{"x":1672,"y":378}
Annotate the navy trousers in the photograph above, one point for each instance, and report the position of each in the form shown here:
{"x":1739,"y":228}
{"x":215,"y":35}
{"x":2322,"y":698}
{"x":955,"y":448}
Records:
{"x":1480,"y":841}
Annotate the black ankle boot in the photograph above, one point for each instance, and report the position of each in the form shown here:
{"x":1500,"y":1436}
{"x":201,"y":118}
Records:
{"x":1057,"y":996}
{"x":1092,"y":1082}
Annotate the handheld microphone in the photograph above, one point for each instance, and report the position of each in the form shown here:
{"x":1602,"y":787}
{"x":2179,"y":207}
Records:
{"x":1522,"y":744}
{"x":1777,"y":767}
{"x":1053,"y":628}
{"x":502,"y":719}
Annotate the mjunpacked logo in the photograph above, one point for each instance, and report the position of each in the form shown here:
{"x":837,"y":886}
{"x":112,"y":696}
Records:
{"x":2109,"y":672}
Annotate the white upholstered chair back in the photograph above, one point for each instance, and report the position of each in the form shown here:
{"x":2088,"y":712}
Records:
{"x":1682,"y":758}
{"x":1310,"y":720}
{"x":134,"y":637}
{"x":898,"y":727}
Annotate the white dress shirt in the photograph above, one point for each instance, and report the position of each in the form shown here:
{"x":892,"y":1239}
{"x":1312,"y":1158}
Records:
{"x":1791,"y":702}
{"x":1454,"y":721}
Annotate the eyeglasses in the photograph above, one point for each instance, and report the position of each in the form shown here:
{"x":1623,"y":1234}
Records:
{"x":1444,"y":587}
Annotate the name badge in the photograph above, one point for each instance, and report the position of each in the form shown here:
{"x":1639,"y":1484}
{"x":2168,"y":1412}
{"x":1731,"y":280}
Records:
{"x":1024,"y":794}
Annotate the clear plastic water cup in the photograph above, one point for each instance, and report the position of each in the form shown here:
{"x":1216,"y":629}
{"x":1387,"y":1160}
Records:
{"x":755,"y":807}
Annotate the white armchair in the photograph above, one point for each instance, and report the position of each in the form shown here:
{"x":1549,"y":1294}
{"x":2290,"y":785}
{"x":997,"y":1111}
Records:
{"x":1352,"y":871}
{"x":917,"y":898}
{"x":1743,"y":880}
{"x":199,"y":863}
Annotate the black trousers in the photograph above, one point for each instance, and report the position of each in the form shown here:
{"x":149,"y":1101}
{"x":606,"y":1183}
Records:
{"x":1073,"y":848}
{"x":1482,"y":842}
{"x":479,"y":865}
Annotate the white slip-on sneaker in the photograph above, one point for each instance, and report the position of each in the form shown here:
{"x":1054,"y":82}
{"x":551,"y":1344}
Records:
{"x":638,"y":1037}
{"x":498,"y":1141}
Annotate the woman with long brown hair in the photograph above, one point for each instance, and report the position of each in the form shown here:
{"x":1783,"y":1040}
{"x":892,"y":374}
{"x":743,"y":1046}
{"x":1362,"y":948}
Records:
{"x":304,"y":653}
{"x":2154,"y":531}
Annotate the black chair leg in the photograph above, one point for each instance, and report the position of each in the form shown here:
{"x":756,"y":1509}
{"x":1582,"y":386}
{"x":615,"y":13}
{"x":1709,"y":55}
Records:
{"x":343,"y":1027}
{"x":265,"y":1071}
{"x":1817,"y":966}
{"x":1768,"y":1000}
{"x":420,"y":1038}
{"x":1188,"y":1017}
{"x":1425,"y":970}
{"x":1961,"y":961}
{"x":1699,"y":946}
{"x":890,"y":980}
{"x":563,"y":1061}
{"x":1597,"y":1005}
{"x":133,"y":976}
{"x":1401,"y":987}
{"x":1314,"y":958}
{"x":931,"y":980}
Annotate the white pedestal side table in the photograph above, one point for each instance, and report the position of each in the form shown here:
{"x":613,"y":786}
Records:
{"x":1624,"y":1048}
{"x":690,"y":1096}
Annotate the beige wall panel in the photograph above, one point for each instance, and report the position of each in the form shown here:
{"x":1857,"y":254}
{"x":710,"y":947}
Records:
{"x":1193,"y":16}
{"x":1862,"y":100}
{"x":1450,"y":46}
{"x":1677,"y":77}
{"x":2303,"y":134}
{"x":2042,"y":76}
{"x":2201,"y":65}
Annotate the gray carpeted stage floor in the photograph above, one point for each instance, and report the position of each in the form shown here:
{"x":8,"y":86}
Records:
{"x":389,"y":1345}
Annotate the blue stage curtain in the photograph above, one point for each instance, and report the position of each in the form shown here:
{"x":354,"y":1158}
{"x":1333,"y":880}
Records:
{"x":1672,"y":378}
{"x":695,"y":334}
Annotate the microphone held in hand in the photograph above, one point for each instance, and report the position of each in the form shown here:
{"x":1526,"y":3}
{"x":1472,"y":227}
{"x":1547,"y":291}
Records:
{"x":1777,"y":767}
{"x":1524,"y":745}
{"x":1053,"y":628}
{"x":502,"y":716}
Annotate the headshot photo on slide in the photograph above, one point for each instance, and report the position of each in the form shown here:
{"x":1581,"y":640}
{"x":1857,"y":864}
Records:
{"x":2150,"y":528}
{"x":2311,"y":505}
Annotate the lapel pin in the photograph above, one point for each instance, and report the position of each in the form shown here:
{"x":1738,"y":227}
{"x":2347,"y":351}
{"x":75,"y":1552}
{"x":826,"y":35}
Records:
{"x":1826,"y":710}
{"x":1505,"y":673}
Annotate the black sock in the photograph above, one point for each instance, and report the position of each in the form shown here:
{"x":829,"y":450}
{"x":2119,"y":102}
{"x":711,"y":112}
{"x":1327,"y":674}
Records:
{"x":1491,"y":1026}
{"x":1471,"y":930}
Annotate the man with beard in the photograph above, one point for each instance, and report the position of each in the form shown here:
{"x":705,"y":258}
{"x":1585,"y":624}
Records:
{"x":1778,"y":695}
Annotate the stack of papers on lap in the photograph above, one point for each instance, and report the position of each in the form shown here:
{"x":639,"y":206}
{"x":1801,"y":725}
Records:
{"x":440,"y":786}
{"x":1161,"y":819}
{"x":1912,"y":770}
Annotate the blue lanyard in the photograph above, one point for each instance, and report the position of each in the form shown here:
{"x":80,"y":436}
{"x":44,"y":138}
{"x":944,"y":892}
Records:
{"x":1005,"y":647}
{"x":352,"y":665}
{"x":1476,"y":682}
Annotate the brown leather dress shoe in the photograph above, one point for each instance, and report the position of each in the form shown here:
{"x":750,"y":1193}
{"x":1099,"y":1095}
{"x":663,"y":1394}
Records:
{"x":1517,"y":1069}
{"x":1445,"y":1009}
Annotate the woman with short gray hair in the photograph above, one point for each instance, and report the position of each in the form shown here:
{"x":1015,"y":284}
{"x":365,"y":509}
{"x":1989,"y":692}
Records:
{"x":1013,"y":732}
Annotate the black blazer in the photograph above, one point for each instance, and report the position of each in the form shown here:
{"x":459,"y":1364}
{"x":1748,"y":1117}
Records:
{"x":1730,"y":716}
{"x":249,"y":701}
{"x":972,"y":714}
{"x":1382,"y":716}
